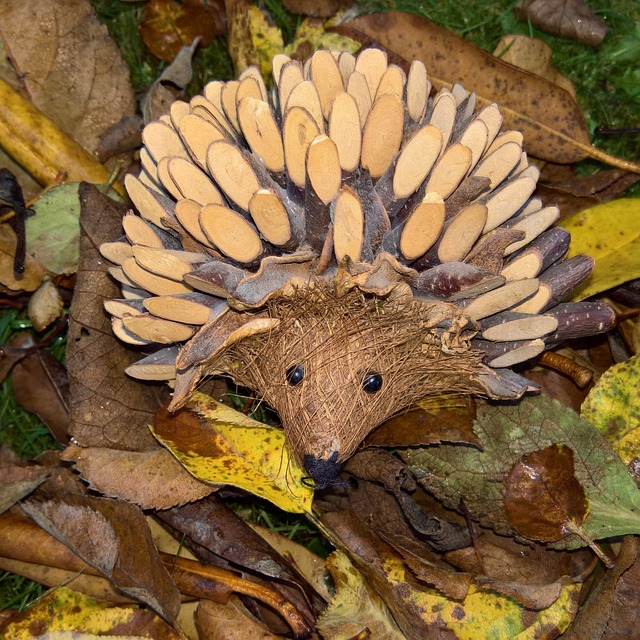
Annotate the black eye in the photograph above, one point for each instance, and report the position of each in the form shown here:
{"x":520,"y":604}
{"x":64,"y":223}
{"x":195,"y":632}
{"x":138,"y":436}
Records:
{"x":295,"y":374}
{"x":372,"y":382}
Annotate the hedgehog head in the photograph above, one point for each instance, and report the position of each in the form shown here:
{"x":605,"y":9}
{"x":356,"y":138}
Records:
{"x":344,"y":247}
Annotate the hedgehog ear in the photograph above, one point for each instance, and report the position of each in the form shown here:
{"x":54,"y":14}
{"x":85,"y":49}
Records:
{"x":198,"y":354}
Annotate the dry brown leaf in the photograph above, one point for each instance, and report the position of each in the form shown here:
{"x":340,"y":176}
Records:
{"x":45,"y":306}
{"x":108,"y":409}
{"x":69,"y":66}
{"x":317,"y":8}
{"x":549,"y":118}
{"x":150,"y":479}
{"x":16,"y":481}
{"x":33,"y":273}
{"x":533,"y":55}
{"x":566,"y":18}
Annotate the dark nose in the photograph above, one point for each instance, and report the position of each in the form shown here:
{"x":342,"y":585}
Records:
{"x":324,"y":472}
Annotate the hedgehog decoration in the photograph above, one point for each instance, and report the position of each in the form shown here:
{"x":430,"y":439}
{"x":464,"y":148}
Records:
{"x":343,"y":246}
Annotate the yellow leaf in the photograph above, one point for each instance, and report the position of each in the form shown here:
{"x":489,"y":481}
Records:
{"x":219,"y":445}
{"x":311,"y":36}
{"x":609,"y":232}
{"x":266,"y":39}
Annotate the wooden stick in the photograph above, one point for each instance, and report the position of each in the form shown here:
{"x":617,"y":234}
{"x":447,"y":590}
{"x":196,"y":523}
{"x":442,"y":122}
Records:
{"x":160,"y":365}
{"x":115,"y":252}
{"x":188,"y":214}
{"x":299,"y":130}
{"x":348,"y":225}
{"x":154,"y":207}
{"x":193,"y":183}
{"x":548,"y":248}
{"x":382,"y":134}
{"x":271,"y":218}
{"x":581,"y":319}
{"x":372,"y":64}
{"x":198,"y":134}
{"x":510,"y":325}
{"x":161,"y":140}
{"x":216,"y":278}
{"x":305,"y":95}
{"x":580,"y":375}
{"x":500,"y":299}
{"x":443,"y":115}
{"x":499,"y":163}
{"x":358,"y":89}
{"x":456,"y":280}
{"x":167,"y":263}
{"x":533,"y":224}
{"x":325,"y":75}
{"x":123,"y":307}
{"x":506,"y":354}
{"x":346,"y":131}
{"x":152,"y":329}
{"x":449,"y":171}
{"x":151,"y":282}
{"x":417,"y":91}
{"x":187,"y":308}
{"x":488,"y":252}
{"x":392,"y":81}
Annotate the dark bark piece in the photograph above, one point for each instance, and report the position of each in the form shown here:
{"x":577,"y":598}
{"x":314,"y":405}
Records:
{"x":216,"y":278}
{"x":510,"y":325}
{"x":549,"y":247}
{"x":488,"y":253}
{"x":506,"y":354}
{"x":565,"y":277}
{"x":455,"y":280}
{"x":580,"y":320}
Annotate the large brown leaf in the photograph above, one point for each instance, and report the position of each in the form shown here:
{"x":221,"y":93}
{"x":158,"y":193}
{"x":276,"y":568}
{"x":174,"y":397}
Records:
{"x":551,"y":121}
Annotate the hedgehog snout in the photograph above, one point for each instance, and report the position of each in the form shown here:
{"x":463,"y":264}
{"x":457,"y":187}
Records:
{"x":324,"y":471}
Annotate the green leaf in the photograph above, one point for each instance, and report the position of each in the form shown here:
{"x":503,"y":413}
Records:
{"x":612,"y":407}
{"x":53,"y":233}
{"x":456,"y":473}
{"x":219,"y":445}
{"x":611,"y":234}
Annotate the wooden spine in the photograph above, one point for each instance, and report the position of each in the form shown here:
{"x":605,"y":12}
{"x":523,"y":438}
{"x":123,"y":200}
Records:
{"x":580,"y":320}
{"x":510,"y":325}
{"x":456,"y":280}
{"x":160,"y":365}
{"x":187,"y":308}
{"x":506,"y":354}
{"x":216,"y":278}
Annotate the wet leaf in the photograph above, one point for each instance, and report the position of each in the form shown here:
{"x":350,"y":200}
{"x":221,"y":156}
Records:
{"x":461,"y":473}
{"x":549,"y":118}
{"x":72,"y":71}
{"x":610,"y":233}
{"x":221,"y":446}
{"x":168,"y":25}
{"x":543,"y":496}
{"x":355,"y":606}
{"x":612,"y":407}
{"x":566,"y":18}
{"x":113,"y":538}
{"x":68,"y":611}
{"x":108,"y":409}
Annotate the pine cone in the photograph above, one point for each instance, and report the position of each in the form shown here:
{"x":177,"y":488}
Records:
{"x":344,"y":248}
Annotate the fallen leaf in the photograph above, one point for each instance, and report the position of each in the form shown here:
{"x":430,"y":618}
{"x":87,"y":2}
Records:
{"x":168,"y":25}
{"x":33,"y":274}
{"x":612,"y":407}
{"x":566,"y":18}
{"x":52,"y":234}
{"x":458,"y":472}
{"x":114,"y":539}
{"x":16,"y":481}
{"x":609,"y":233}
{"x":312,"y":35}
{"x":45,"y":306}
{"x":316,"y":8}
{"x":533,"y":55}
{"x":221,"y":446}
{"x":64,"y":611}
{"x":542,"y":494}
{"x":150,"y":479}
{"x":70,"y":68}
{"x":355,"y":606}
{"x":108,"y":409}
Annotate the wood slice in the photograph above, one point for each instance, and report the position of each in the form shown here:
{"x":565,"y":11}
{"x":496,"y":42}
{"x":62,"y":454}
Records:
{"x":166,"y":180}
{"x":277,"y":63}
{"x":261,"y":132}
{"x":417,"y":92}
{"x":566,"y":276}
{"x":456,"y":280}
{"x":153,"y":206}
{"x":149,"y":165}
{"x":299,"y":130}
{"x":421,"y":229}
{"x":348,"y":224}
{"x":126,"y":336}
{"x":119,"y":276}
{"x":346,"y":131}
{"x":213,"y":114}
{"x":553,"y":245}
{"x":152,"y":329}
{"x":499,"y":163}
{"x":119,"y":308}
{"x":542,"y":299}
{"x":290,"y":77}
{"x":271,"y":217}
{"x":347,"y":65}
{"x":188,"y":214}
{"x":305,"y":95}
{"x":488,"y":252}
{"x":177,"y":111}
{"x":510,"y":326}
{"x":504,"y":202}
{"x":139,"y":231}
{"x":392,"y":81}
{"x":187,"y":308}
{"x":504,"y":138}
{"x":449,"y":170}
{"x":469,"y":190}
{"x":228,"y":98}
{"x":254,"y":72}
{"x":160,"y":365}
{"x":162,"y":140}
{"x":323,"y":167}
{"x":376,"y":219}
{"x":131,"y":292}
{"x":474,"y":137}
{"x":325,"y":74}
{"x":461,"y":233}
{"x":533,"y":204}
{"x":231,"y":233}
{"x":506,"y":354}
{"x":492,"y":118}
{"x":198,"y":134}
{"x":443,"y":115}
{"x":193,"y":183}
{"x":151,"y":282}
{"x":533,"y":224}
{"x":216,"y":278}
{"x":358,"y":89}
{"x":167,"y":263}
{"x":232,"y":172}
{"x":116,"y":252}
{"x":466,"y":104}
{"x":526,"y":265}
{"x":213,"y":93}
{"x":581,"y":319}
{"x":248,"y":88}
{"x":506,"y":297}
{"x":382,"y":134}
{"x":372,"y":64}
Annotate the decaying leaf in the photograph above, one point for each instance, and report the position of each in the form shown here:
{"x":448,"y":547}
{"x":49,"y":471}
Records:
{"x":566,"y":18}
{"x":45,"y":306}
{"x":312,"y":35}
{"x":221,"y":446}
{"x":609,"y":233}
{"x":612,"y":407}
{"x":16,"y":481}
{"x":456,"y":473}
{"x":543,"y":496}
{"x":33,"y":274}
{"x":168,"y":25}
{"x":66,"y":613}
{"x":534,"y":55}
{"x":317,"y":8}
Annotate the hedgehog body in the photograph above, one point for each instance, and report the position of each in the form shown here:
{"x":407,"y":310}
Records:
{"x":343,"y":248}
